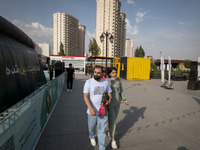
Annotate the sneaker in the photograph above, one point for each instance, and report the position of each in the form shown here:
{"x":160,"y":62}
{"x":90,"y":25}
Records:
{"x":67,"y":90}
{"x":70,"y":90}
{"x":93,"y":142}
{"x":114,"y":145}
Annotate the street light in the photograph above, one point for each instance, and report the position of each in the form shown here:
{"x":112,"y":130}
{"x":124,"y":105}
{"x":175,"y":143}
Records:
{"x":102,"y":39}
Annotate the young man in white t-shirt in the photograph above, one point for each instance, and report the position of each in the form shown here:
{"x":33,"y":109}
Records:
{"x":94,"y":89}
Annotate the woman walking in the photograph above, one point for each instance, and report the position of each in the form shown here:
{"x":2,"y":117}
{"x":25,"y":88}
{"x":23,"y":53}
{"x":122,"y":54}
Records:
{"x":117,"y":97}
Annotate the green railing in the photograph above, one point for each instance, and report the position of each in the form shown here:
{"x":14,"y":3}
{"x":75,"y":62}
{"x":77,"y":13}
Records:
{"x":21,"y":125}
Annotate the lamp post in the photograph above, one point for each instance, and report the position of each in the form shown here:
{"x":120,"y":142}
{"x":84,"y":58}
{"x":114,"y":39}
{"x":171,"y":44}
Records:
{"x":102,"y":39}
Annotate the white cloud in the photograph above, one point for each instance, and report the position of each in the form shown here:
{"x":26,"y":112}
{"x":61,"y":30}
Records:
{"x":90,"y":35}
{"x":130,"y":2}
{"x":132,"y":30}
{"x":184,"y":23}
{"x":140,"y":16}
{"x":181,"y":23}
{"x":36,"y":31}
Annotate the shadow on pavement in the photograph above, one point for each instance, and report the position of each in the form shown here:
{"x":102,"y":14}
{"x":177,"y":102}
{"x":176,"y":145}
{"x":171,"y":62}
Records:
{"x":131,"y":86}
{"x":132,"y":116}
{"x":197,"y":100}
{"x":182,"y":148}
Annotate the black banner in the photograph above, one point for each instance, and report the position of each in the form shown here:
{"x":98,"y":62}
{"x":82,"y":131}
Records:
{"x":20,"y":72}
{"x":9,"y":30}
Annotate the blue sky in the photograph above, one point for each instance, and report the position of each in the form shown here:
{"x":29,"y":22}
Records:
{"x":166,"y":27}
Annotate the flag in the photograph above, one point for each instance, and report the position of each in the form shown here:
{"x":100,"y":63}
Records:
{"x":169,"y":71}
{"x":162,"y":68}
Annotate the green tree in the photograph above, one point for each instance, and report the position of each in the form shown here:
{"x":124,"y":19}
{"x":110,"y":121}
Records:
{"x":139,"y":52}
{"x":187,"y":63}
{"x":61,"y":49}
{"x":153,"y":67}
{"x":178,"y":67}
{"x":94,"y":49}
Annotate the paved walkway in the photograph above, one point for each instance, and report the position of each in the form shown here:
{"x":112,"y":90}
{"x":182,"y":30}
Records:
{"x":156,"y":119}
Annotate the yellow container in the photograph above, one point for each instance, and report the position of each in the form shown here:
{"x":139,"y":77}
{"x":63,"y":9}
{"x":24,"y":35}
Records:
{"x":138,"y":68}
{"x":132,"y":68}
{"x":116,"y":63}
{"x":116,"y":60}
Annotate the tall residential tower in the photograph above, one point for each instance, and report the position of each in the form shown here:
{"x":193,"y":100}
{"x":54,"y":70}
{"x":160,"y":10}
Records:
{"x":81,"y":48}
{"x":109,"y":18}
{"x":66,"y":30}
{"x":129,"y":48}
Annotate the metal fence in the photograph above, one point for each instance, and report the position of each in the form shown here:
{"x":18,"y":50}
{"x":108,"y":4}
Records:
{"x":175,"y":75}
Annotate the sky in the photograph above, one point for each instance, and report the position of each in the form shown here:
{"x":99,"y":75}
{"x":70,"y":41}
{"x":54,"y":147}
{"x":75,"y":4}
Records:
{"x":162,"y":27}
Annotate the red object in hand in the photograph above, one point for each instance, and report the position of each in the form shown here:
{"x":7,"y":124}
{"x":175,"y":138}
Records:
{"x":102,"y":109}
{"x":103,"y":77}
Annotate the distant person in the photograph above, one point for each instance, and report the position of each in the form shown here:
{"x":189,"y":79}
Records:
{"x":70,"y":77}
{"x":86,"y":70}
{"x":51,"y":69}
{"x":117,"y":98}
{"x":91,"y":71}
{"x":94,"y":89}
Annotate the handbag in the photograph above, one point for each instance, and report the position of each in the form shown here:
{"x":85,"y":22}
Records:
{"x":104,"y":108}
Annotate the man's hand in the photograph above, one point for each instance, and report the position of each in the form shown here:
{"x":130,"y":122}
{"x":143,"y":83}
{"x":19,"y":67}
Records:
{"x":92,"y":112}
{"x":87,"y":102}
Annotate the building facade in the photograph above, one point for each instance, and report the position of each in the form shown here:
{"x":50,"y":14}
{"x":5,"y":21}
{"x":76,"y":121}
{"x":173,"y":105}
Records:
{"x":66,"y":30}
{"x":109,"y":18}
{"x":81,"y":48}
{"x":43,"y":49}
{"x":78,"y":62}
{"x":129,"y":48}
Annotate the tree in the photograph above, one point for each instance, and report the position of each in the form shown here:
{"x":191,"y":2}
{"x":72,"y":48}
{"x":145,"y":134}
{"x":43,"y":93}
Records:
{"x":139,"y":52}
{"x":61,"y":49}
{"x":187,"y":63}
{"x":178,"y":67}
{"x":94,"y":48}
{"x":153,"y":67}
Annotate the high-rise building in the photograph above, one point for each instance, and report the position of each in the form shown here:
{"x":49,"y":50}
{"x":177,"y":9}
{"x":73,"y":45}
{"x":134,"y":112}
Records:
{"x":111,"y":19}
{"x":66,"y":30}
{"x":81,"y":44}
{"x":43,"y":49}
{"x":129,"y":48}
{"x":122,"y":35}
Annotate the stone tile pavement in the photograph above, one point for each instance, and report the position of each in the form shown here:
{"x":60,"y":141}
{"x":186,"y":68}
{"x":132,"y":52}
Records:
{"x":156,"y":119}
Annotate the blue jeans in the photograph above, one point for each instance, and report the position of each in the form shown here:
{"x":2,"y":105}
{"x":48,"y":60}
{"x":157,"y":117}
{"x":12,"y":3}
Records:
{"x":101,"y":123}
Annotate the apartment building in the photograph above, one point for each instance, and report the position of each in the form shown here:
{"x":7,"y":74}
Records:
{"x":121,"y":35}
{"x":66,"y":30}
{"x":81,"y":48}
{"x":112,"y":20}
{"x":129,"y":48}
{"x":43,"y":49}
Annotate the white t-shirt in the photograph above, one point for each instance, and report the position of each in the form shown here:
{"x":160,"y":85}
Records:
{"x":96,"y":90}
